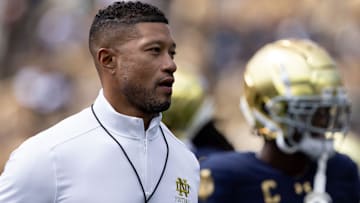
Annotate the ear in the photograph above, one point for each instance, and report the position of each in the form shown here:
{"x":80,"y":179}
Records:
{"x":107,"y":59}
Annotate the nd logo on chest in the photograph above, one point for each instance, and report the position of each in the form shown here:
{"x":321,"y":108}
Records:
{"x":183,"y":190}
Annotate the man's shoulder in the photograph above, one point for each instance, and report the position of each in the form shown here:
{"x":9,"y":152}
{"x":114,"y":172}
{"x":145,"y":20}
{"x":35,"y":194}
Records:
{"x":31,"y":167}
{"x":341,"y":162}
{"x":342,"y":171}
{"x":227,"y":168}
{"x":174,"y":140}
{"x":182,"y":152}
{"x":69,"y":128}
{"x":229,"y":159}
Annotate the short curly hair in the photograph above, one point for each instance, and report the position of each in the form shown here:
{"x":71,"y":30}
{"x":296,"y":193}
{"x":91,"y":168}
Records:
{"x":118,"y":19}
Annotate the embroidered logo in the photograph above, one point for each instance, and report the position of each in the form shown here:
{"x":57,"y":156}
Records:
{"x":183,"y":189}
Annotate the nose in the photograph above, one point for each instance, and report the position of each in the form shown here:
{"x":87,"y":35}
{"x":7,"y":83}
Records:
{"x":169,"y":64}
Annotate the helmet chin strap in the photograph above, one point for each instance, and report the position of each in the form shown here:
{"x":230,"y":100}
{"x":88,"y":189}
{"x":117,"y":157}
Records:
{"x":319,"y":195}
{"x":320,"y":150}
{"x":316,"y":149}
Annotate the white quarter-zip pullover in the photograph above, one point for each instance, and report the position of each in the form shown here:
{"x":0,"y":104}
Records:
{"x":76,"y":161}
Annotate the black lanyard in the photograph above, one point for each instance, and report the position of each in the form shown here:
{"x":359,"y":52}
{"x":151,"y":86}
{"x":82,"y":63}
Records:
{"x":132,"y":165}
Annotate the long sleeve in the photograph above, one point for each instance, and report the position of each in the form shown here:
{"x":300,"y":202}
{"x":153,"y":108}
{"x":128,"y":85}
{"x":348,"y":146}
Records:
{"x":29,"y":176}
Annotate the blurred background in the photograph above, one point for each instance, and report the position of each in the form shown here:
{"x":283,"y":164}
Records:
{"x":46,"y":71}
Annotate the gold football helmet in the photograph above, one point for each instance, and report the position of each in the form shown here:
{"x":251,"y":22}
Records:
{"x":187,"y":98}
{"x":291,"y":87}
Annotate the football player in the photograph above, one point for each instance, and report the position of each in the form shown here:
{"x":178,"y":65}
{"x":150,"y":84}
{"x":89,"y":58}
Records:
{"x":294,"y":97}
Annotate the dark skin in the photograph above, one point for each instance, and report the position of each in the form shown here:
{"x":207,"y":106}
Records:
{"x":298,"y":163}
{"x":137,"y":75}
{"x":291,"y":164}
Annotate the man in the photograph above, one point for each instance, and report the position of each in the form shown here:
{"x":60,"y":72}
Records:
{"x":294,"y":98}
{"x":117,"y":150}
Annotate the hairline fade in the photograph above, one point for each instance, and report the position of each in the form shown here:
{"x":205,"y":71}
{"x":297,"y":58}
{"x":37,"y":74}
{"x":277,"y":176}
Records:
{"x":119,"y":19}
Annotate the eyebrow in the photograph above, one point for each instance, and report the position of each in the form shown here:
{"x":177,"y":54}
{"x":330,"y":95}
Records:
{"x":173,"y":44}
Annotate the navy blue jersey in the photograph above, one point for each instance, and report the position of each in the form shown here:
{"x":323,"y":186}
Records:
{"x":241,"y":177}
{"x":209,"y":140}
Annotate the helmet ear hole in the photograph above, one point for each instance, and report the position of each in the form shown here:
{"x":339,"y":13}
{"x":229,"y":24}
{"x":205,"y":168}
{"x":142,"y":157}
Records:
{"x":264,"y":108}
{"x":276,"y":108}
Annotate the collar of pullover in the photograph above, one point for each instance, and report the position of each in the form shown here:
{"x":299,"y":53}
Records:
{"x":124,"y":125}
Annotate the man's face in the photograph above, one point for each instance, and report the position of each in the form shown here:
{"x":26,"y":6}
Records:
{"x":145,"y":67}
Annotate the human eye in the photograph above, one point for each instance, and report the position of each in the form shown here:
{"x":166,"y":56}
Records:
{"x":154,"y":50}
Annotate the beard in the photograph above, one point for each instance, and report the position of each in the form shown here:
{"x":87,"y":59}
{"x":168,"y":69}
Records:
{"x":145,"y":99}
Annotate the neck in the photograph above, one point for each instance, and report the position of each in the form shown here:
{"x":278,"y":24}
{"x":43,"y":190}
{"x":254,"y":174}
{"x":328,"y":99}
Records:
{"x":291,"y":164}
{"x":121,"y":106}
{"x":146,"y":122}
